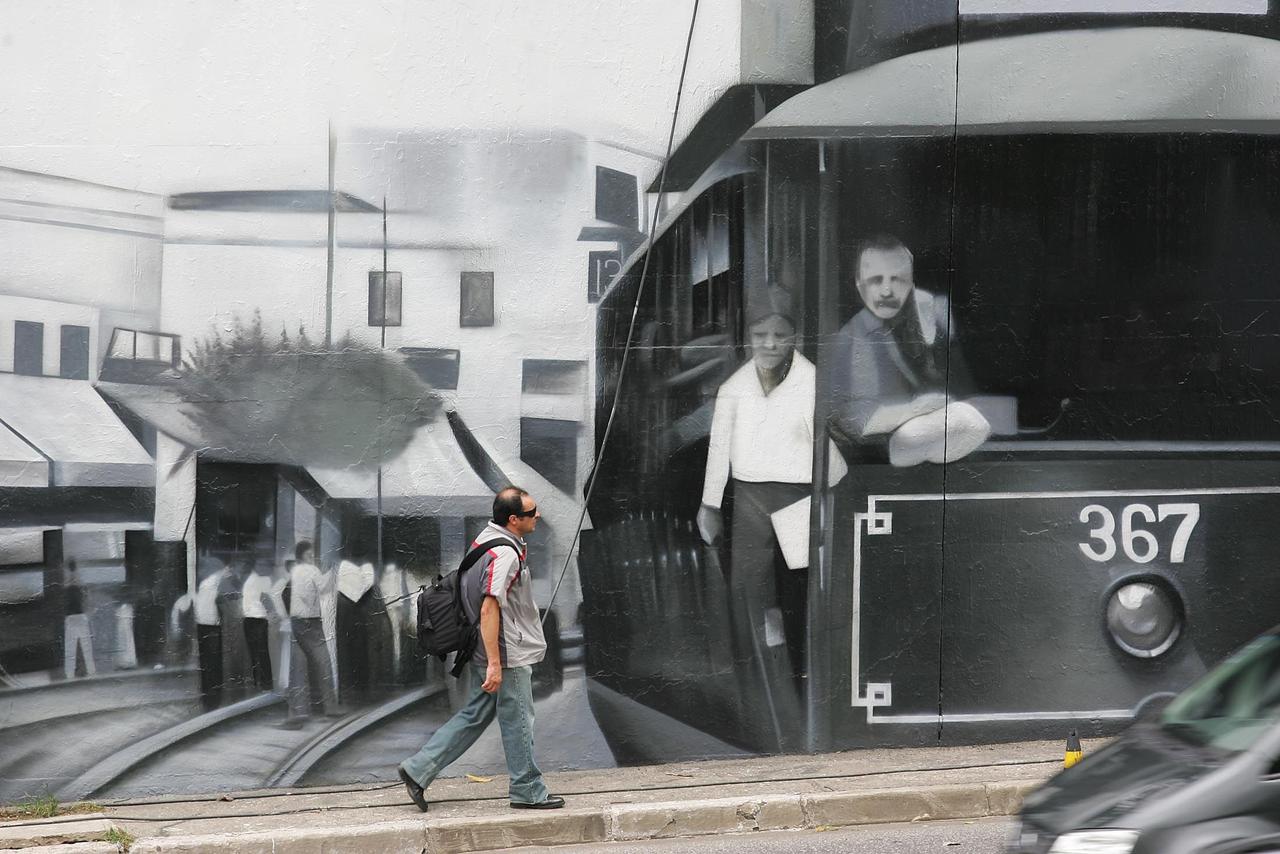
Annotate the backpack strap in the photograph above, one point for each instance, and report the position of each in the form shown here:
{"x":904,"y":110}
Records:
{"x":476,"y":553}
{"x":461,"y":660}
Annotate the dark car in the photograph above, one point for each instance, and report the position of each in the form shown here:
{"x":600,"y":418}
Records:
{"x":1202,"y":775}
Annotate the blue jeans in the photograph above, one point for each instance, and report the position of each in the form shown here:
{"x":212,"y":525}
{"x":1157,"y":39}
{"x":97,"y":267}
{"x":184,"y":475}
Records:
{"x":513,"y":706}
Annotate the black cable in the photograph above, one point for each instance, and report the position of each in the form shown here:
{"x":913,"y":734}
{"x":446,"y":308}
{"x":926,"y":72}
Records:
{"x":672,"y":787}
{"x":946,"y":382}
{"x":631,"y":329}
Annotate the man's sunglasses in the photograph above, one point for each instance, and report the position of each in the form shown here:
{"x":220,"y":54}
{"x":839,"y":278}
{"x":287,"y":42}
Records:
{"x":532,"y":511}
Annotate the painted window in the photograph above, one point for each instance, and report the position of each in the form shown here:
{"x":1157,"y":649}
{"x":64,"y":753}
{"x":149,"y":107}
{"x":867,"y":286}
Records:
{"x":1102,"y":288}
{"x":385,"y":298}
{"x":435,"y":366}
{"x":554,"y":376}
{"x":28,"y":348}
{"x":476,"y":305}
{"x":617,"y":199}
{"x":144,"y":346}
{"x":551,"y":447}
{"x":73,"y":363}
{"x":235,"y":509}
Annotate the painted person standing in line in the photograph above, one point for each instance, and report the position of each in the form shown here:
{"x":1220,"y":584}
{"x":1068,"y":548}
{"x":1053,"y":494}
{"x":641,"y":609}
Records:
{"x":497,"y":593}
{"x":260,"y":606}
{"x":209,"y":631}
{"x":308,"y":586}
{"x":75,"y":628}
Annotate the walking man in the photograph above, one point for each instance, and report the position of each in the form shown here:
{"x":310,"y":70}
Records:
{"x":497,"y":593}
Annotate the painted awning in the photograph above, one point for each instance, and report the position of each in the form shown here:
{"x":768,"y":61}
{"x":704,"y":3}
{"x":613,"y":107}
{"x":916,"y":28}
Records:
{"x":732,"y":115}
{"x":1130,"y":80}
{"x":73,"y":429}
{"x":20,"y":464}
{"x":430,"y":477}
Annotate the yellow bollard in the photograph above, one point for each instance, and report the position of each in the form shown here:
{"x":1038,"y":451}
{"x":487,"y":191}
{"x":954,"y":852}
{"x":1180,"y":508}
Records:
{"x":1074,"y":752}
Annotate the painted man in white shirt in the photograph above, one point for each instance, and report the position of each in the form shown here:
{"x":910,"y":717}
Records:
{"x":214,"y":575}
{"x":261,"y":604}
{"x":762,"y":438}
{"x":308,"y":588}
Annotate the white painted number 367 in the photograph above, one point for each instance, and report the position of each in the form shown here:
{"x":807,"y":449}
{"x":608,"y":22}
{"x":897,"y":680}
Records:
{"x":1139,"y":545}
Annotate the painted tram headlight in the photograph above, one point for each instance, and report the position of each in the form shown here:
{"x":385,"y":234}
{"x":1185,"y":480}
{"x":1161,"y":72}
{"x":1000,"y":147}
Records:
{"x":1144,"y":617}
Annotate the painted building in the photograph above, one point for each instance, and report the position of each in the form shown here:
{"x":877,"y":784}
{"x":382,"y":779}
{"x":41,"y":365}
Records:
{"x":80,"y":261}
{"x":489,"y":301}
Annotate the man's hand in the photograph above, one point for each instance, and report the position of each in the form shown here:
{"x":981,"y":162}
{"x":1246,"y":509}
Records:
{"x":710,"y":524}
{"x":492,"y":678}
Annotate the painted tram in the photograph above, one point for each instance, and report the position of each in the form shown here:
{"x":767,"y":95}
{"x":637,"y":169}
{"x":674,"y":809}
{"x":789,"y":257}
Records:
{"x":1101,"y":205}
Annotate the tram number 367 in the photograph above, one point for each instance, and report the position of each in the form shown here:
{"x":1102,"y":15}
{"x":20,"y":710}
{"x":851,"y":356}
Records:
{"x":1139,"y":544}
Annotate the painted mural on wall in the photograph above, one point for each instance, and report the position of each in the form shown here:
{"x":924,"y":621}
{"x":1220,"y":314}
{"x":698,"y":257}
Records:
{"x":949,"y":413}
{"x":954,"y":410}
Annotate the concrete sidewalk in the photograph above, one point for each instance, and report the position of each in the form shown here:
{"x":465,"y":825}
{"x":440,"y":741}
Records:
{"x":617,"y":805}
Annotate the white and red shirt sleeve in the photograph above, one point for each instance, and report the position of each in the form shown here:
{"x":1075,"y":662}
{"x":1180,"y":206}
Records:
{"x":501,"y":571}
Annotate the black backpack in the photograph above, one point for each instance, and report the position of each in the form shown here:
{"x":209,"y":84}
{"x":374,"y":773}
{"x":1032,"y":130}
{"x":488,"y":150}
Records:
{"x":443,"y":626}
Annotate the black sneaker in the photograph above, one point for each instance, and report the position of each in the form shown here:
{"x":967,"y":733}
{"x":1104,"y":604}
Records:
{"x":553,"y":802}
{"x":416,"y":792}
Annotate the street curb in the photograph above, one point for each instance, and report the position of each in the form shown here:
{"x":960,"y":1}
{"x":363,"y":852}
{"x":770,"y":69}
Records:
{"x":620,"y":822}
{"x":55,"y":831}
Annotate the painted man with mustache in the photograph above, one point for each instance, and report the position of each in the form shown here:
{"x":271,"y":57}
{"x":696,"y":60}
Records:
{"x":897,"y":373}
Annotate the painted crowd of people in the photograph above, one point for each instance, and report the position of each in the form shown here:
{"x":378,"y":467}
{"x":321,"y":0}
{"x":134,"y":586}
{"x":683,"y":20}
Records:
{"x":324,"y":636}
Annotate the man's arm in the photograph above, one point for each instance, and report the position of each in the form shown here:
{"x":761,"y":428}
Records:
{"x":866,"y":407}
{"x":326,"y":580}
{"x":710,"y":525}
{"x":717,"y":472}
{"x":490,"y":620}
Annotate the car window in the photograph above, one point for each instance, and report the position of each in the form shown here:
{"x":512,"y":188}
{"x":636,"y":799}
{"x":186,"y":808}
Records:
{"x":1232,"y":706}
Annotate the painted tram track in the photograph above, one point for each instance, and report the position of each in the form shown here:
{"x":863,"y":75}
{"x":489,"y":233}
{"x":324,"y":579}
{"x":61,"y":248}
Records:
{"x":37,"y":756}
{"x":240,"y":746}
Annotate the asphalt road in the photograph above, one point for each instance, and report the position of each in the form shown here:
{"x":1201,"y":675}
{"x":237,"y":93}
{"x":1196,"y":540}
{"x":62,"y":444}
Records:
{"x":985,"y":836}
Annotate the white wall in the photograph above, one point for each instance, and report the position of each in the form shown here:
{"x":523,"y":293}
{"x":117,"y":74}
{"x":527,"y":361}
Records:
{"x":80,"y":253}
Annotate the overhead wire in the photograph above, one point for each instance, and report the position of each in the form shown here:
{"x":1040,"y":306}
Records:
{"x":946,"y":382}
{"x":631,"y":328}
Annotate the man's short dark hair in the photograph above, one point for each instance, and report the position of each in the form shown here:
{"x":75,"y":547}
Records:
{"x":301,"y":549}
{"x":881,"y":242}
{"x":507,"y":503}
